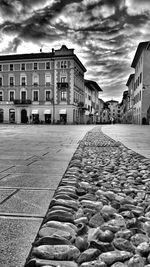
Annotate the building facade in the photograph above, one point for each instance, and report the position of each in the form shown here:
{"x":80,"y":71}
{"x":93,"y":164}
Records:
{"x":130,"y":100}
{"x":41,"y":87}
{"x":141,"y":65}
{"x":114,"y":111}
{"x":92,"y":104}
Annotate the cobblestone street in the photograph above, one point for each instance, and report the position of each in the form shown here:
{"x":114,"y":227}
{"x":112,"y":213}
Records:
{"x":99,"y":210}
{"x":99,"y":215}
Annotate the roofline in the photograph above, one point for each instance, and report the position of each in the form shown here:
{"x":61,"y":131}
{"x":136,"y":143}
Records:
{"x":95,"y":84}
{"x":140,"y":48}
{"x":41,"y":55}
{"x":131,"y":77}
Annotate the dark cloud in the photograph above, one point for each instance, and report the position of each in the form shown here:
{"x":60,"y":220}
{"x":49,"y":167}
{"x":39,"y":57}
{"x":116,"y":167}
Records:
{"x":106,"y":32}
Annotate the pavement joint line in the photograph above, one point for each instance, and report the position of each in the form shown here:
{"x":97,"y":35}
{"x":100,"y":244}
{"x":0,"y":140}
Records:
{"x":31,"y":162}
{"x":21,"y":215}
{"x":28,"y":188}
{"x":8,"y":168}
{"x":30,"y":157}
{"x":5,"y":176}
{"x":45,"y":154}
{"x":13,"y":193}
{"x":58,"y":150}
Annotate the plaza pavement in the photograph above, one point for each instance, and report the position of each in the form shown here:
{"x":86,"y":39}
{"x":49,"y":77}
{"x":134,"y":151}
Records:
{"x":135,"y":137}
{"x":33,"y":160}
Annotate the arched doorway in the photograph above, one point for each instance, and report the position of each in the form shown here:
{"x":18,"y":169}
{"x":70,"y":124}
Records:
{"x":1,"y":115}
{"x":24,"y":118}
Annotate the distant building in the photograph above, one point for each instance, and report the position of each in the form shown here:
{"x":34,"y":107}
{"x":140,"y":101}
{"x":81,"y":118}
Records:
{"x":141,"y":64}
{"x":114,"y":111}
{"x":130,"y":101}
{"x":101,"y":108}
{"x":124,"y":108}
{"x":92,"y":113}
{"x":105,"y":115}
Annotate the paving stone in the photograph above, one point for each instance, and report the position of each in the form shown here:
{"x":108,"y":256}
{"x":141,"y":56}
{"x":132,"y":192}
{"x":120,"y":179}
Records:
{"x":56,"y":252}
{"x":114,"y":256}
{"x":88,"y":255}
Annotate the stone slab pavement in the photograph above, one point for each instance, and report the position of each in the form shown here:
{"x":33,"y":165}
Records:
{"x":135,"y":137}
{"x":33,"y":159}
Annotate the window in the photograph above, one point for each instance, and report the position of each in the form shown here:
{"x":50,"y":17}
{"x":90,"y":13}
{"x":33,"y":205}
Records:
{"x":0,"y":67}
{"x":23,"y":95}
{"x":11,"y":81}
{"x":1,"y":96}
{"x":11,"y":95}
{"x":1,"y":81}
{"x":47,"y":79}
{"x":11,"y":67}
{"x":35,"y":66}
{"x":89,"y":97}
{"x":23,"y":66}
{"x":35,"y":95}
{"x":63,"y":95}
{"x":35,"y":79}
{"x":48,"y":95}
{"x":48,"y":65}
{"x":63,"y":79}
{"x":23,"y":80}
{"x":140,"y":77}
{"x":63,"y":64}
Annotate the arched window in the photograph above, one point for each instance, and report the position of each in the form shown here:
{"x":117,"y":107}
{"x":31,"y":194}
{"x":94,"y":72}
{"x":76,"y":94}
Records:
{"x":47,"y":79}
{"x":23,"y":79}
{"x":35,"y":79}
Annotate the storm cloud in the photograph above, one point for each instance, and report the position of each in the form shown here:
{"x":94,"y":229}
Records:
{"x":104,"y":33}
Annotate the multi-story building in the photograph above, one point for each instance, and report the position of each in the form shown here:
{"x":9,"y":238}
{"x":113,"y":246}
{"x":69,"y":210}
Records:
{"x":130,"y":102}
{"x":124,"y":108}
{"x":41,"y":87}
{"x":114,"y":110}
{"x":92,"y":113}
{"x":105,"y":117}
{"x":141,"y":64}
{"x":101,"y":108}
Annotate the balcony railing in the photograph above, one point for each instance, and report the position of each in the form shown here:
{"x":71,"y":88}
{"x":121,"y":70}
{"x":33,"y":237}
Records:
{"x":62,"y":85}
{"x":22,"y":102}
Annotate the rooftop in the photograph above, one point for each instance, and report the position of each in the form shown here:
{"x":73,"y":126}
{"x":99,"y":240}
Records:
{"x":92,"y":85}
{"x":62,"y":52}
{"x":131,"y":77}
{"x":140,"y":48}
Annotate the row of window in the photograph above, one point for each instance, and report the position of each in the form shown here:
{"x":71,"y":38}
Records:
{"x":137,"y":98}
{"x":23,"y":95}
{"x":35,"y":95}
{"x":23,"y":79}
{"x":138,"y":81}
{"x":35,"y":79}
{"x":32,"y":66}
{"x":23,"y":66}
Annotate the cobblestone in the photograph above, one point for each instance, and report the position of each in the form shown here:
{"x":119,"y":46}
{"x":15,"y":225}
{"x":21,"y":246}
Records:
{"x":100,"y":212}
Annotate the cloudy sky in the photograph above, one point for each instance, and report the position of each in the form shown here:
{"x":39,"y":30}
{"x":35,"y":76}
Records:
{"x":104,"y":34}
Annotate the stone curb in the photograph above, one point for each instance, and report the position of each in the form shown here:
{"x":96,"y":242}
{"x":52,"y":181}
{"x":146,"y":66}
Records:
{"x":100,"y":213}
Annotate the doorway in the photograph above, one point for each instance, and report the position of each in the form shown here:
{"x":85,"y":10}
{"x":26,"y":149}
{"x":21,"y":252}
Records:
{"x":24,"y":118}
{"x":1,"y":115}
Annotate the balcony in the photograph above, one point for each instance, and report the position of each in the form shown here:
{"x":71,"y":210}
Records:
{"x":62,"y":85}
{"x":81,"y":106}
{"x":22,"y":102}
